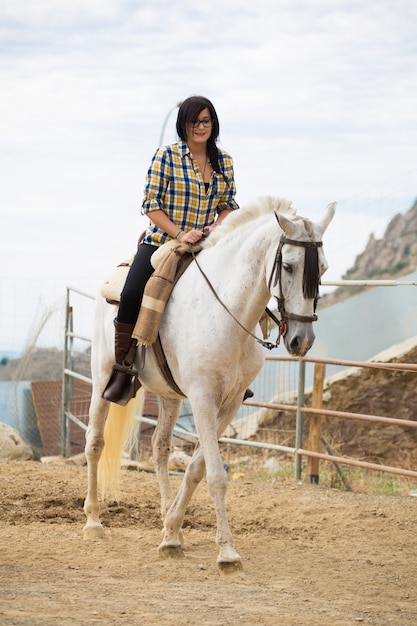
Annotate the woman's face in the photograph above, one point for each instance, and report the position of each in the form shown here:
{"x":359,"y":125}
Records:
{"x":200,"y":131}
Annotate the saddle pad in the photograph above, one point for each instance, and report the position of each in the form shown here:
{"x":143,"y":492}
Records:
{"x":112,"y":286}
{"x":156,"y":294}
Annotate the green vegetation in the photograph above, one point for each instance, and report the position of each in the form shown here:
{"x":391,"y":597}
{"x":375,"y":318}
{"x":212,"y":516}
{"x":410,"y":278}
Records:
{"x":361,"y":481}
{"x":399,"y":267}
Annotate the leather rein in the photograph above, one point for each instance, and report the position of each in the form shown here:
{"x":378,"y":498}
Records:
{"x":277,"y":270}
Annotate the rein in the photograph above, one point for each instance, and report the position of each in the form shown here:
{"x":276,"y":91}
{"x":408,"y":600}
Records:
{"x":310,"y":289}
{"x":265,"y":344}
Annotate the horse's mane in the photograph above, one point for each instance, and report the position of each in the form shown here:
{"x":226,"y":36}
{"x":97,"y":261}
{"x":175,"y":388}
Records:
{"x":265,"y":205}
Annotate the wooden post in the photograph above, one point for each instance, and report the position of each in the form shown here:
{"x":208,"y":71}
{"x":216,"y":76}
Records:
{"x":314,"y":433}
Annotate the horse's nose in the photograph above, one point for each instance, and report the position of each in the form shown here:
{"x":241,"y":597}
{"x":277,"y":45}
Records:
{"x":299,"y":345}
{"x":295,"y":345}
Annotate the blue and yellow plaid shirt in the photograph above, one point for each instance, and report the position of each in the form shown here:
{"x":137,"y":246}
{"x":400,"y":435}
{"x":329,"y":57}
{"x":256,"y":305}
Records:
{"x":175,"y":185}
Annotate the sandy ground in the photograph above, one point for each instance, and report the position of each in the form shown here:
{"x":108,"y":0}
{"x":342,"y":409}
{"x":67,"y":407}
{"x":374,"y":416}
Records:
{"x":311,"y":555}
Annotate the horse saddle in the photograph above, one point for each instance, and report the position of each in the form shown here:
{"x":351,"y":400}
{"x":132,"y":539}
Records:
{"x":113,"y":284}
{"x":170,"y":262}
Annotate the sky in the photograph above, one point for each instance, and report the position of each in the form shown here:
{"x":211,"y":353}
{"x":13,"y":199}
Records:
{"x":317,"y":102}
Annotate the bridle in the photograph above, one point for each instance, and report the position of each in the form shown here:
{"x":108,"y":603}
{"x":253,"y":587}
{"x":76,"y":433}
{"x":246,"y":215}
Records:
{"x":311,"y":250}
{"x":309,"y":290}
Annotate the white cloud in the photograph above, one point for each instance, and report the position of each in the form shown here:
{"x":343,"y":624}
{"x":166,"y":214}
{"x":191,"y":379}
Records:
{"x":55,"y":12}
{"x":316,"y":100}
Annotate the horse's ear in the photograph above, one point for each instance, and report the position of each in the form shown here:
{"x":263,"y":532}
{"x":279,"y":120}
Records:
{"x":286,"y":224}
{"x":327,"y":216}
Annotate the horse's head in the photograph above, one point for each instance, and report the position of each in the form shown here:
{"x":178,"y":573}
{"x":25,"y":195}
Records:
{"x":295,"y":278}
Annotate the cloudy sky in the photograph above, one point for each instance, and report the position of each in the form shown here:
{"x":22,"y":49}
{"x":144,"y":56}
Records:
{"x":317,"y":101}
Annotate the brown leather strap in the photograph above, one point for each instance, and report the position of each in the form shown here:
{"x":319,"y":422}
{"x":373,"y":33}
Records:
{"x":184,"y":262}
{"x":164,"y":367}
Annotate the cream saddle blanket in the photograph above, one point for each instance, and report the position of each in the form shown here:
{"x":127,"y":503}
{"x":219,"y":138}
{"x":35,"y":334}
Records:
{"x":169,"y":261}
{"x":113,"y":284}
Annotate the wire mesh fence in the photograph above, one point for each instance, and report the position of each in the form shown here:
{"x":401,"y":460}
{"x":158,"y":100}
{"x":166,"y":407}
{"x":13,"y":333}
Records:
{"x":31,"y":382}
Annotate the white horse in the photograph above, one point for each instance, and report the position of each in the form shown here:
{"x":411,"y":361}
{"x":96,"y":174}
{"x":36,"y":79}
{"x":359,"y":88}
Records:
{"x":209,"y":333}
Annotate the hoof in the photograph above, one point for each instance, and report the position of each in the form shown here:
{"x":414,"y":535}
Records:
{"x":230,"y":567}
{"x":171,"y":552}
{"x":180,"y":537}
{"x":95,"y":531}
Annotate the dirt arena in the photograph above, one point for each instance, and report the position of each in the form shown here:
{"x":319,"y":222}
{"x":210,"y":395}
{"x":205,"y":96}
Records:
{"x":311,"y":555}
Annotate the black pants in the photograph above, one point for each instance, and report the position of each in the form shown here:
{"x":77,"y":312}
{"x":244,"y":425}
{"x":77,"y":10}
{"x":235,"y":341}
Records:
{"x":132,"y":294}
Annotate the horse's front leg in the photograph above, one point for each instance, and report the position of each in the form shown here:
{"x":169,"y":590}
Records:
{"x":206,"y":458}
{"x":209,"y":431}
{"x":94,"y":446}
{"x":169,"y":410}
{"x":228,"y":558}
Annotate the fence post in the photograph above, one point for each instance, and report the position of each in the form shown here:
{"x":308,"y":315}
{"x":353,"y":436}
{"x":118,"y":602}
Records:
{"x":314,"y":432}
{"x":67,"y":384}
{"x":299,"y":424}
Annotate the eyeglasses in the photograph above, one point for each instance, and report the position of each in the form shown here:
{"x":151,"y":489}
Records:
{"x":207,"y":122}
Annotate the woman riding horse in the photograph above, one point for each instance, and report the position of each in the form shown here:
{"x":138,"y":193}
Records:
{"x":190,"y":188}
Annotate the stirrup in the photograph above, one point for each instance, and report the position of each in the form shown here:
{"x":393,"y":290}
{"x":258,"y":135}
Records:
{"x":129,"y":392}
{"x":131,"y":387}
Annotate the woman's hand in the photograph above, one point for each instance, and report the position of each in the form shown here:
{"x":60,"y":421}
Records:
{"x":193,"y":236}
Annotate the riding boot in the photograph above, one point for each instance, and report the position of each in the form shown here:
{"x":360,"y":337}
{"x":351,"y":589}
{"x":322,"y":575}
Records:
{"x":123,"y":383}
{"x":248,"y":394}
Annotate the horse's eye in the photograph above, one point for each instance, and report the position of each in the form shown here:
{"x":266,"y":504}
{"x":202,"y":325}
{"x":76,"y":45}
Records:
{"x":287,"y":268}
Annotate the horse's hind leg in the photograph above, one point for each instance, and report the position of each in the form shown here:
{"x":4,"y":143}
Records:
{"x":94,"y":446}
{"x":171,"y":545}
{"x":169,"y":410}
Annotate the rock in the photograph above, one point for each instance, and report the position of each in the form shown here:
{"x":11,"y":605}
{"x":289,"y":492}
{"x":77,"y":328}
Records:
{"x":58,"y":459}
{"x":272,"y":464}
{"x":77,"y":459}
{"x":139,"y":466}
{"x":13,"y":446}
{"x":390,"y":258}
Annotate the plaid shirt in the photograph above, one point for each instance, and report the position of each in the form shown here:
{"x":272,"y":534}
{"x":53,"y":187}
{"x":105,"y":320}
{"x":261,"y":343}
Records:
{"x":175,"y":185}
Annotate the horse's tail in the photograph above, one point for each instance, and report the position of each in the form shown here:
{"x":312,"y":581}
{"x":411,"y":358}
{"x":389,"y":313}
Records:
{"x":120,"y":435}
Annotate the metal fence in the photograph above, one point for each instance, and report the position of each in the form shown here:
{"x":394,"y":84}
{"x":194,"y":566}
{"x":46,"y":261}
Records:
{"x":288,"y":374}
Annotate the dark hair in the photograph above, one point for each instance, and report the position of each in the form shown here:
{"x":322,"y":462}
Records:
{"x":188,"y":113}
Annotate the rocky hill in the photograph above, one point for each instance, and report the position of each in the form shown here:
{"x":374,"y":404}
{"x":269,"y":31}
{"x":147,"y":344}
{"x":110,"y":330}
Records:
{"x":42,"y":364}
{"x":370,"y":392}
{"x":393,"y":256}
{"x":375,"y":392}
